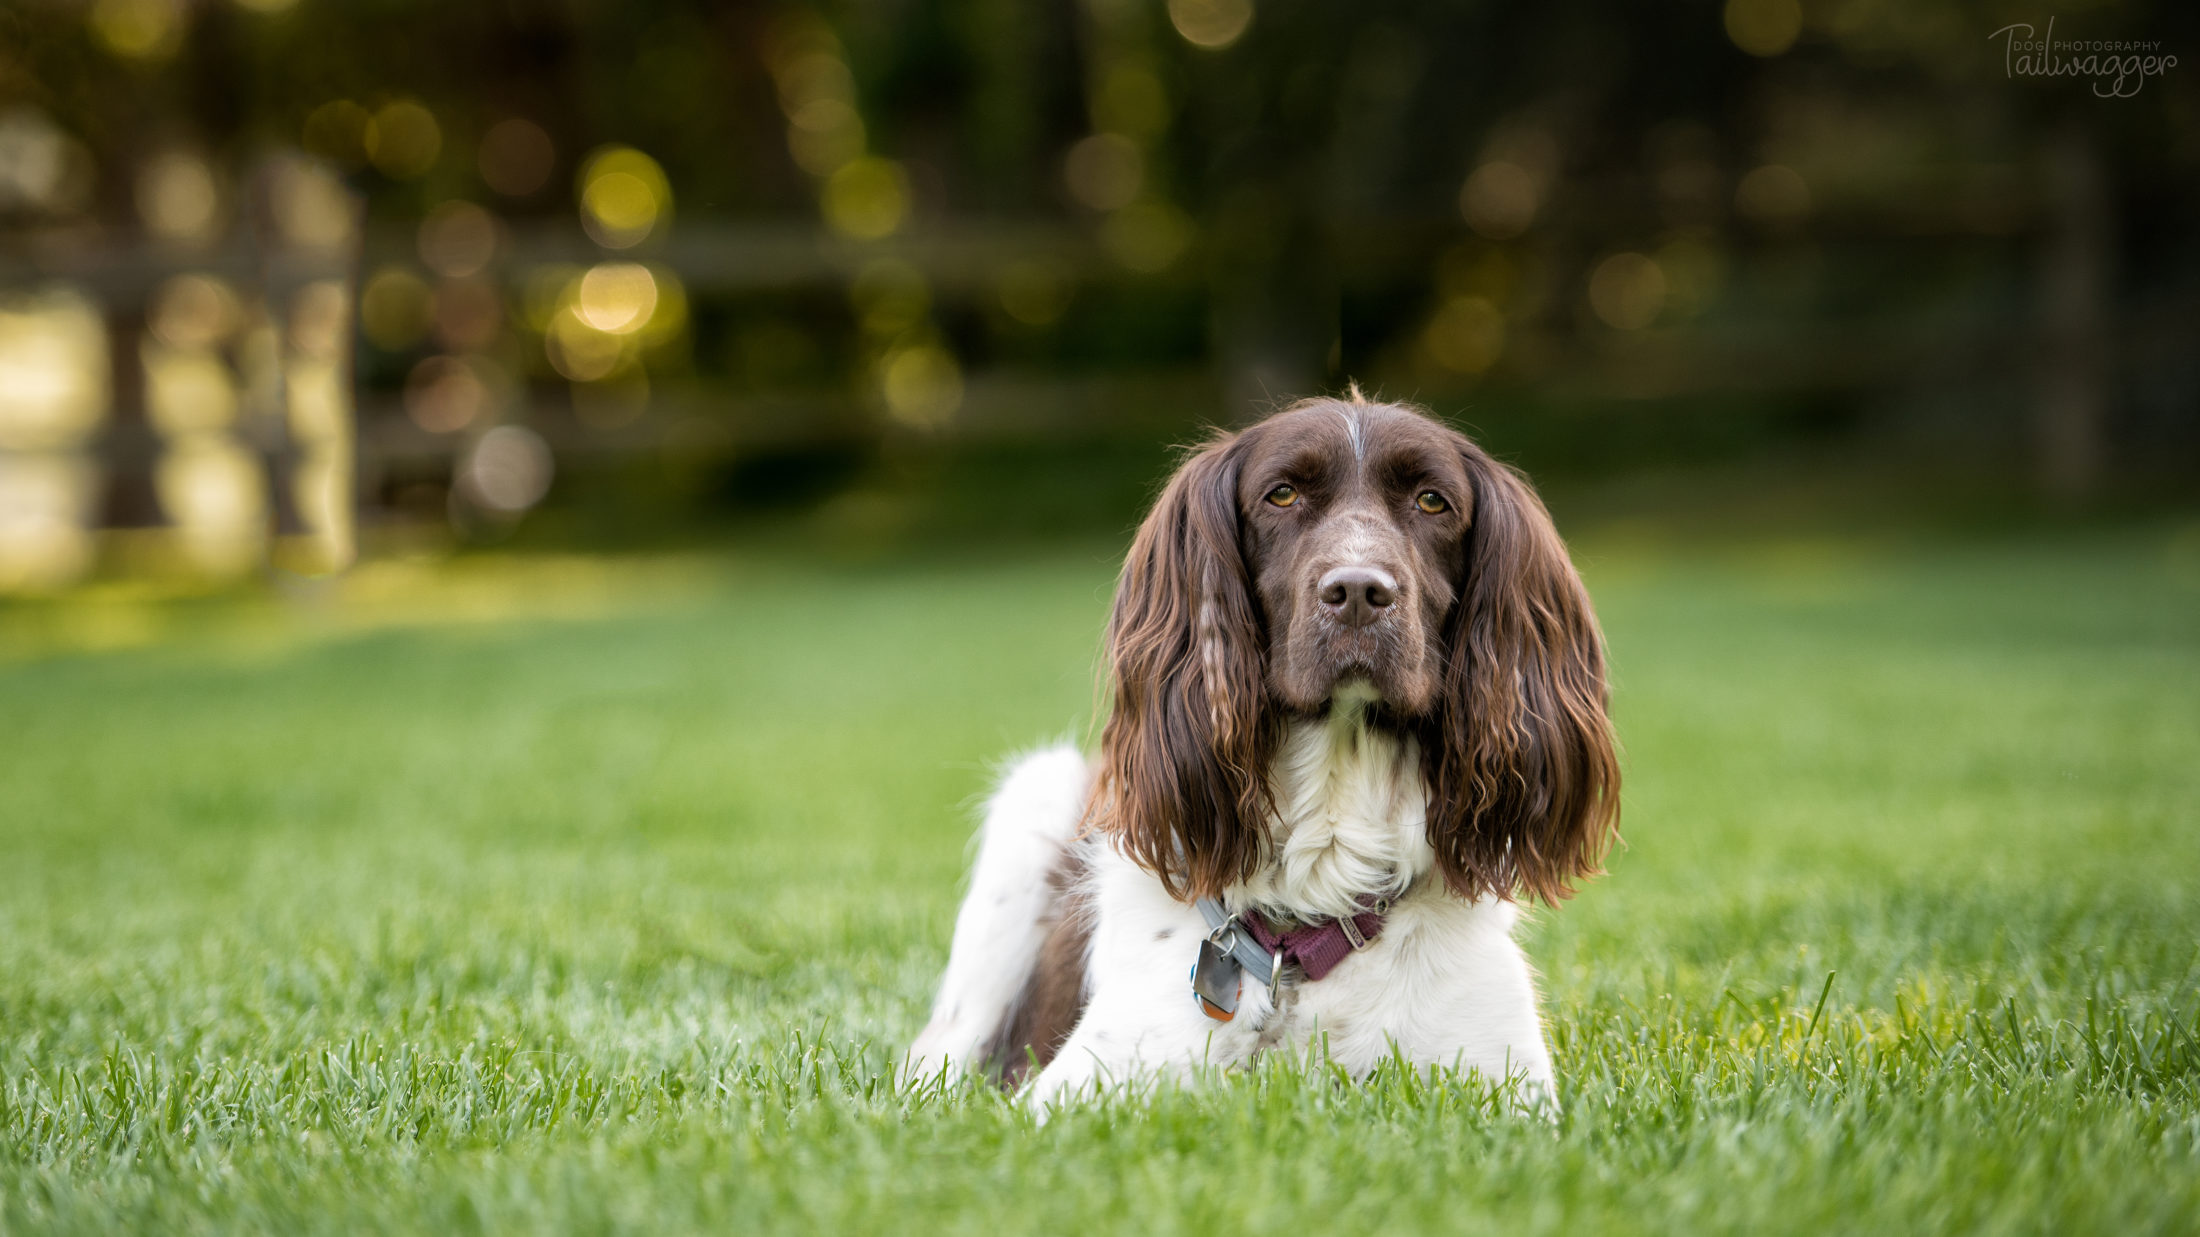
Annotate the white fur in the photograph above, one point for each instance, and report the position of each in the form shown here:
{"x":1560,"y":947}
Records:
{"x":1444,"y":984}
{"x":1006,"y":915}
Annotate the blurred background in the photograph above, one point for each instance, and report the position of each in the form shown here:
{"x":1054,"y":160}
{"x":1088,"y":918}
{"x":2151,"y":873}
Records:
{"x":285,"y":283}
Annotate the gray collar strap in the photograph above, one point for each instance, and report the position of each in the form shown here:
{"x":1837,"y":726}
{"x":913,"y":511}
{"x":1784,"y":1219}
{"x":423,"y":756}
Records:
{"x":1232,"y":938}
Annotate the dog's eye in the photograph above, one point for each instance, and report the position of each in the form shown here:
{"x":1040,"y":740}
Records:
{"x":1283,"y":496}
{"x":1431,"y":502}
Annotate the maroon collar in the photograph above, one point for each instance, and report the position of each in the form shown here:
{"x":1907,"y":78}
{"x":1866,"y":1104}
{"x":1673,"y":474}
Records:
{"x":1320,"y":945}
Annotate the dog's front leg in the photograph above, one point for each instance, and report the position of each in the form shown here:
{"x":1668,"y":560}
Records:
{"x":1141,"y":1020}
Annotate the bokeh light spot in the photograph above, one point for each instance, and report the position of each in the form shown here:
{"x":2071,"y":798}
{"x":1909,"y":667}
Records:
{"x":1466,"y":336}
{"x":194,"y":311}
{"x":580,"y":352}
{"x":1212,"y":24}
{"x":1773,"y":194}
{"x":312,"y":207}
{"x":922,"y":384}
{"x":337,"y":131}
{"x":1105,"y":171}
{"x":890,"y":297}
{"x":823,"y":135}
{"x":403,"y":139}
{"x":444,"y":394}
{"x":320,"y":319}
{"x":1627,"y":290}
{"x":509,"y":469}
{"x":1131,"y":100}
{"x":139,"y":29}
{"x":395,"y":309}
{"x":469,"y":314}
{"x":867,"y":199}
{"x":516,"y":157}
{"x":457,"y":239}
{"x":617,"y":297}
{"x":1764,"y":27}
{"x":624,"y":196}
{"x":1035,"y":291}
{"x":1147,"y":237}
{"x":1499,"y":199}
{"x":178,"y":198}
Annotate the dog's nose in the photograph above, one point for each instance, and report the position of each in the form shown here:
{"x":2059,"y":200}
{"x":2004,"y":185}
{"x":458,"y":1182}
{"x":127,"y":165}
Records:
{"x":1357,"y":596}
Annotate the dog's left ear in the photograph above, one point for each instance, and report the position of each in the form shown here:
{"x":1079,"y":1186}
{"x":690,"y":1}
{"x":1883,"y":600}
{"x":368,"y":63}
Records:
{"x":1522,"y":769}
{"x":1180,"y":783}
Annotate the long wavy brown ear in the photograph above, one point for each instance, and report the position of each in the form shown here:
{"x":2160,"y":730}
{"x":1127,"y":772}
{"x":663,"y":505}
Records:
{"x":1522,"y":769}
{"x":1180,"y":785}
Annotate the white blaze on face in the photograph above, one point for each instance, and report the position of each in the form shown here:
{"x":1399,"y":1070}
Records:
{"x":1355,"y":430}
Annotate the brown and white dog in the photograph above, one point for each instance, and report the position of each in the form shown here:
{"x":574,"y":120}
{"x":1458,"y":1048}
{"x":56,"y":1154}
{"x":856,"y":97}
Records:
{"x":1359,"y":713}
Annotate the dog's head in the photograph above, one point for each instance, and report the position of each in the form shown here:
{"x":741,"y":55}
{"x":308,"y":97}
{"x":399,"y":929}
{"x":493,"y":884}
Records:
{"x":1348,"y":550}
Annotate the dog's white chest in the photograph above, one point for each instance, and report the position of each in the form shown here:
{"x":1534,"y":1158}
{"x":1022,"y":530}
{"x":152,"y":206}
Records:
{"x":1350,"y":821}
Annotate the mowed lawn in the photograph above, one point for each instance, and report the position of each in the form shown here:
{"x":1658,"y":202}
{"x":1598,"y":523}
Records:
{"x":611,"y":914}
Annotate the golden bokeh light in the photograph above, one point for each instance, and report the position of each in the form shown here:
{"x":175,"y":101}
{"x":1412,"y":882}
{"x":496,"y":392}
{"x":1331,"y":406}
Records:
{"x":469,"y":314}
{"x":194,"y":311}
{"x":890,"y":297}
{"x":624,"y":196}
{"x":1036,"y":291}
{"x":817,"y":76}
{"x":312,"y":207}
{"x":1764,"y":27}
{"x":42,"y":169}
{"x":508,"y":469}
{"x":445,"y":394}
{"x":1212,"y":24}
{"x":824,"y":135}
{"x":178,"y":198}
{"x":580,"y":352}
{"x":516,"y":157}
{"x":214,"y":491}
{"x":867,"y":199}
{"x":457,"y":239}
{"x":922,"y":385}
{"x":319,"y":405}
{"x":617,"y":297}
{"x":1147,"y":237}
{"x":337,"y":131}
{"x":53,"y":370}
{"x":1466,"y":336}
{"x":402,"y":139}
{"x":395,"y":308}
{"x":1130,"y":99}
{"x":139,"y":29}
{"x":1694,"y":269}
{"x":187,"y":390}
{"x":1499,"y":199}
{"x":320,"y":320}
{"x":1773,"y":194}
{"x":321,"y":486}
{"x":46,"y":504}
{"x":1627,"y":290}
{"x":668,"y":321}
{"x":1105,"y":171}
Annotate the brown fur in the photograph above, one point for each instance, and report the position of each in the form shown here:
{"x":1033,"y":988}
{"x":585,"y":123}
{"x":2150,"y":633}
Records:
{"x":1055,"y":997}
{"x":1490,"y":654}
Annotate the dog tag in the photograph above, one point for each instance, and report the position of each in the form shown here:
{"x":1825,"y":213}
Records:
{"x":1216,"y":980}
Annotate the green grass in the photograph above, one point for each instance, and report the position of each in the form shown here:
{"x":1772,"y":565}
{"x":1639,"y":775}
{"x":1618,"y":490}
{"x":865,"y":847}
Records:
{"x":604,"y":905}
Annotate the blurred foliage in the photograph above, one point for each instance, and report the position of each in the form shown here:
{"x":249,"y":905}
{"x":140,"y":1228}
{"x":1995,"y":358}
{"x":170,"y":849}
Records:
{"x":1607,"y":235}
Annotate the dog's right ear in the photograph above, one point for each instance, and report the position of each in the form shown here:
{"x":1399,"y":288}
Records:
{"x":1180,"y":786}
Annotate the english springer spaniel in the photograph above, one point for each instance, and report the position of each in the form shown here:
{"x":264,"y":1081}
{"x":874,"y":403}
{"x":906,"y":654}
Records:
{"x":1358,"y":715}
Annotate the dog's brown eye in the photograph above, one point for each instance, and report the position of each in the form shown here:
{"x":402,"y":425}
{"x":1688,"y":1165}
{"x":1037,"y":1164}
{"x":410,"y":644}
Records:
{"x":1283,"y":496}
{"x":1431,"y":502}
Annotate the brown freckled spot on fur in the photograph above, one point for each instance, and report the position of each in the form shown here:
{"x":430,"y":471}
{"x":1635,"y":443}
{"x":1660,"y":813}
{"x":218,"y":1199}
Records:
{"x":1164,"y":934}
